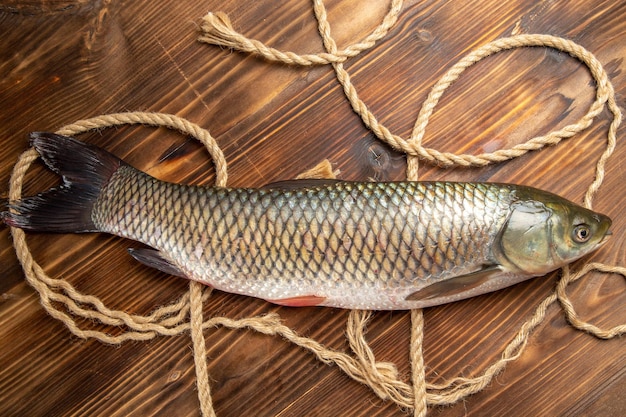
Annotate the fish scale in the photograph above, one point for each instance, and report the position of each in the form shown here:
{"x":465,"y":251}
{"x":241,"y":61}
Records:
{"x":335,"y":237}
{"x":343,"y":244}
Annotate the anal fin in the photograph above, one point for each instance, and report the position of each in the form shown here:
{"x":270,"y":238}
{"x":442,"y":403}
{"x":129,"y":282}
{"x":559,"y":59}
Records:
{"x":154,"y":259}
{"x":300,"y":301}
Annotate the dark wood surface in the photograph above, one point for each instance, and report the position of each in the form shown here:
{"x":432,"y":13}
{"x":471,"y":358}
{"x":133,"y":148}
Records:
{"x":61,"y":61}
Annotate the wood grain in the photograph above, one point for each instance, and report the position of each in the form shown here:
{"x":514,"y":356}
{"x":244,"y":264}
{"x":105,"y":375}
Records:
{"x":61,"y":61}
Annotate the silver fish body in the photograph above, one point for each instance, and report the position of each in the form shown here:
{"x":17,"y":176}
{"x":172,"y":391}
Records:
{"x":382,"y":246}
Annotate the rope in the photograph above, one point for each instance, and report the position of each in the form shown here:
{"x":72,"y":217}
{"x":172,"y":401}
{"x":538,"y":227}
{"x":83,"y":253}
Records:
{"x":63,"y":302}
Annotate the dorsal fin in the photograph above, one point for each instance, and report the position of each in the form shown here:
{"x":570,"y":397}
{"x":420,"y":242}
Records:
{"x":290,"y":185}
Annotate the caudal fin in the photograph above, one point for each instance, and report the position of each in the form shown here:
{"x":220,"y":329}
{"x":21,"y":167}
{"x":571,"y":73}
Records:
{"x":85,"y":170}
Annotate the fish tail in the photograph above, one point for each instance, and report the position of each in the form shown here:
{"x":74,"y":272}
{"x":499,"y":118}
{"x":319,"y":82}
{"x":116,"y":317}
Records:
{"x":85,"y":169}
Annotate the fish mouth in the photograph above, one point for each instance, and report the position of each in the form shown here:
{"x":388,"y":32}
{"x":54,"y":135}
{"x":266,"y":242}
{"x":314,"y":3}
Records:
{"x":605,"y":225}
{"x":605,"y":238}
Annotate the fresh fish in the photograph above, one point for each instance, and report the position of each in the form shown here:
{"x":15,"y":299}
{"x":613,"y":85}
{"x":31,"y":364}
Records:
{"x":382,"y":246}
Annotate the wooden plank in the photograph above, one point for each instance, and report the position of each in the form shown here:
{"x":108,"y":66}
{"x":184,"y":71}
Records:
{"x":64,"y":61}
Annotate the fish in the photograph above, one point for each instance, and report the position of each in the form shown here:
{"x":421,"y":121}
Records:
{"x":354,"y":245}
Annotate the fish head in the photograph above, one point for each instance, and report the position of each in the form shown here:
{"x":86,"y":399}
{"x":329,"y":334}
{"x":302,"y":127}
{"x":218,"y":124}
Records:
{"x":547,"y":232}
{"x":576,"y":231}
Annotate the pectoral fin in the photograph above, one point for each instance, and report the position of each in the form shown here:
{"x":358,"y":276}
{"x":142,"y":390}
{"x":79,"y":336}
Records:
{"x":154,"y":259}
{"x":455,"y":286}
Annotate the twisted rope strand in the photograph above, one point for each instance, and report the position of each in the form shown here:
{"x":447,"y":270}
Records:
{"x":217,"y":29}
{"x":199,"y":349}
{"x":568,"y":307}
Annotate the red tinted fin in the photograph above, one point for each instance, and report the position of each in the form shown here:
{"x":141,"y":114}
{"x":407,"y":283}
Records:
{"x":301,"y":301}
{"x":86,"y":170}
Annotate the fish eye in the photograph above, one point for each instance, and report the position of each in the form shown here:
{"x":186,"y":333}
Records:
{"x":581,"y":233}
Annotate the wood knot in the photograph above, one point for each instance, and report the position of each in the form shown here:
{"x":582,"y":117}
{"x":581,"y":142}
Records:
{"x":378,"y":157}
{"x":382,"y":161}
{"x":174,"y":376}
{"x":424,"y":36}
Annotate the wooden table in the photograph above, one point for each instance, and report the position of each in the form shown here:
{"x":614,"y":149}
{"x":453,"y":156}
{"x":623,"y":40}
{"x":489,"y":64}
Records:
{"x":62,"y":61}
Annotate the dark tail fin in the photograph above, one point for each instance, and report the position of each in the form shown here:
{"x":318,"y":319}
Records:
{"x":86,"y":169}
